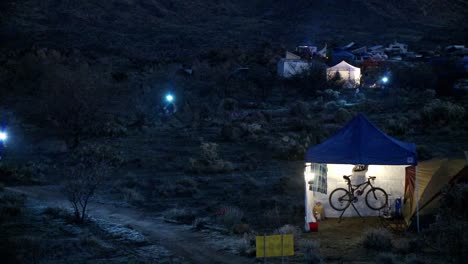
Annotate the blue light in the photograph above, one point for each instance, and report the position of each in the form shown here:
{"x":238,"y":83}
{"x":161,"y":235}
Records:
{"x":3,"y":136}
{"x":169,"y":98}
{"x":385,"y":79}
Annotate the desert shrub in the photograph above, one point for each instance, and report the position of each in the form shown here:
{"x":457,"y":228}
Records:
{"x":209,"y":160}
{"x":309,"y":81}
{"x":424,"y":152}
{"x":106,"y":129}
{"x":421,"y":77}
{"x":311,"y":250}
{"x":414,"y":259}
{"x":132,"y":196}
{"x":301,"y":109}
{"x":378,"y":239}
{"x":182,"y":215}
{"x":331,"y":106}
{"x":199,"y":223}
{"x":428,"y":94}
{"x":55,"y":212}
{"x":437,"y":113}
{"x":30,"y":249}
{"x":449,"y":233}
{"x":342,"y":115}
{"x":272,"y":217}
{"x":98,"y":153}
{"x":290,"y":229}
{"x":229,"y":216}
{"x":228,"y":104}
{"x":11,"y":205}
{"x":246,"y":245}
{"x":406,"y":246}
{"x":386,"y":258}
{"x":397,"y":126}
{"x":13,"y":174}
{"x":331,"y":95}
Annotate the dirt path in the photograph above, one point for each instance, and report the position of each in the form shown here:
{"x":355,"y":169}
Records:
{"x":178,"y":239}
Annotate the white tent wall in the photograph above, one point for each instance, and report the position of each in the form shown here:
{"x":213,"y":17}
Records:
{"x":389,"y":178}
{"x":346,"y":71}
{"x":288,"y":68}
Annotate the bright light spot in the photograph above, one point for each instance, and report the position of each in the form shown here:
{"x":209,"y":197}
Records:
{"x":3,"y":136}
{"x":169,"y":98}
{"x":385,"y":79}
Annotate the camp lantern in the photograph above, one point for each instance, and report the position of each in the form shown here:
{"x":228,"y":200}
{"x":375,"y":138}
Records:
{"x":385,"y":79}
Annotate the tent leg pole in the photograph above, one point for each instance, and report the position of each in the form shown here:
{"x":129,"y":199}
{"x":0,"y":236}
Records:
{"x":417,"y":198}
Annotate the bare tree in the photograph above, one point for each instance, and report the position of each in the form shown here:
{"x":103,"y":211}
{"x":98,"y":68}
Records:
{"x":81,"y":184}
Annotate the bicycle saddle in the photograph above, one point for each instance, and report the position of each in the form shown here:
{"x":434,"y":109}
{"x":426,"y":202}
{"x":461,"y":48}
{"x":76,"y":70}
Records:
{"x":346,"y":177}
{"x":372,"y":177}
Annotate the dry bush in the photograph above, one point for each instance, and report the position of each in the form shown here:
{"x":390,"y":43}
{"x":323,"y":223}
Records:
{"x":55,"y":212}
{"x":199,"y":223}
{"x":342,"y":115}
{"x":81,"y":183}
{"x":397,"y":126}
{"x":132,"y":196}
{"x":229,"y":217}
{"x":98,"y":153}
{"x":330,"y":95}
{"x":301,"y":109}
{"x":406,"y":246}
{"x":414,"y":259}
{"x":386,"y":258}
{"x":290,"y":229}
{"x":246,"y":246}
{"x":438,"y":113}
{"x":378,"y":239}
{"x":311,"y":250}
{"x":13,"y":174}
{"x":181,"y":215}
{"x":74,"y":99}
{"x":11,"y":206}
{"x":331,"y":106}
{"x":449,"y":234}
{"x":208,"y":160}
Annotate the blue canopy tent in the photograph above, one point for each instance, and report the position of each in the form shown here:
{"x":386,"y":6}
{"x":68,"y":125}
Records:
{"x":361,"y":142}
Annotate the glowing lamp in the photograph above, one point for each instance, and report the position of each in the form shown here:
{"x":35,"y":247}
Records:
{"x":3,"y":136}
{"x":385,"y":79}
{"x":169,"y":98}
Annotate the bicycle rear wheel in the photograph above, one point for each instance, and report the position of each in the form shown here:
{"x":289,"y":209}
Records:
{"x":376,"y":198}
{"x":339,"y":199}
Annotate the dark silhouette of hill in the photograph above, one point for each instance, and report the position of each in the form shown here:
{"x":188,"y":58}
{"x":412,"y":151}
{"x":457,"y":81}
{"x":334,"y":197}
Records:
{"x":155,"y":29}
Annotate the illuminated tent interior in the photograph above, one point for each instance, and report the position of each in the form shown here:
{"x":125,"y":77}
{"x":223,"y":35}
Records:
{"x":358,"y":142}
{"x":346,"y":71}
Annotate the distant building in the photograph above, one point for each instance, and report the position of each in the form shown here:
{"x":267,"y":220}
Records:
{"x":291,"y":65}
{"x":397,"y":48}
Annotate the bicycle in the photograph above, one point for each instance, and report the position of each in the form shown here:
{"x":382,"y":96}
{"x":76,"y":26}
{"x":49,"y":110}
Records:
{"x":340,"y":199}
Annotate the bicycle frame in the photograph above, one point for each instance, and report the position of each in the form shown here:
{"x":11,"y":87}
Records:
{"x":352,"y":188}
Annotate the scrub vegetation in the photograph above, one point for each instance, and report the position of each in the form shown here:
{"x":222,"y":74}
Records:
{"x":94,"y":171}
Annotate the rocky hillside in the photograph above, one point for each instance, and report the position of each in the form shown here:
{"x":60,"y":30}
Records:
{"x":155,"y":29}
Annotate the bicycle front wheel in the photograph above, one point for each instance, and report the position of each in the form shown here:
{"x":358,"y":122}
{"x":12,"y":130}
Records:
{"x":340,"y":199}
{"x":376,"y":198}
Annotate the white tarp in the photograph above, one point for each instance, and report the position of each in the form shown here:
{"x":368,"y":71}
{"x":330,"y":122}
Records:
{"x":347,"y":72}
